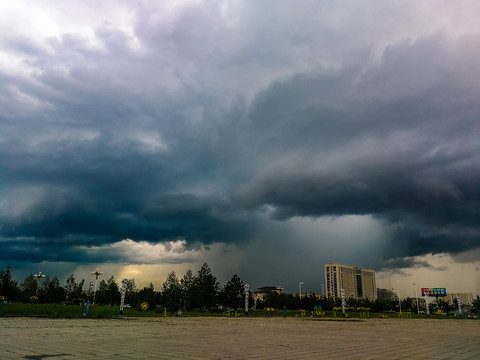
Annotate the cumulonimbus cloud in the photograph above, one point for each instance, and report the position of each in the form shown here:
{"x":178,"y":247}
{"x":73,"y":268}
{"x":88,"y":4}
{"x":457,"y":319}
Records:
{"x":188,"y":126}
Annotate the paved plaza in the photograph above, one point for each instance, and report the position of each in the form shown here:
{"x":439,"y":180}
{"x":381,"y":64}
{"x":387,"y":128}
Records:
{"x":238,"y":338}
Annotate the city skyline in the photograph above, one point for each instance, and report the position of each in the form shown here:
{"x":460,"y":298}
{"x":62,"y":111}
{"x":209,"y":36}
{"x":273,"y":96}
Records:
{"x":404,"y":287}
{"x":263,"y":138}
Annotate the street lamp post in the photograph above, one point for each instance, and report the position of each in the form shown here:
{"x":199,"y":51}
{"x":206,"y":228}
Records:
{"x":97,"y":273}
{"x":300,"y":289}
{"x":416,"y":297}
{"x":39,"y":277}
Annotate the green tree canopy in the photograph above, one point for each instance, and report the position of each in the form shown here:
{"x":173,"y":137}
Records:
{"x":206,"y":288}
{"x":172,"y":292}
{"x":73,"y":289}
{"x":108,"y":292}
{"x":28,"y":288}
{"x":113,"y":292}
{"x":149,"y":295}
{"x":50,"y":291}
{"x":234,"y":293}
{"x":8,"y":287}
{"x":131,"y":291}
{"x":187,"y":284}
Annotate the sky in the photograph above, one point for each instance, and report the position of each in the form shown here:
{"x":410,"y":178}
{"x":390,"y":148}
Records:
{"x":266,"y":138}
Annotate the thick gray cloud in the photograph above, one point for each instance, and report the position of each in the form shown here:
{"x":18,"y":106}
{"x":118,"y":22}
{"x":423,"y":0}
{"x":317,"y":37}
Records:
{"x":406,"y":153}
{"x":193,"y":122}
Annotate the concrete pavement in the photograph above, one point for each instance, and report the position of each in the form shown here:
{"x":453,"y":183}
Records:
{"x":238,"y":338}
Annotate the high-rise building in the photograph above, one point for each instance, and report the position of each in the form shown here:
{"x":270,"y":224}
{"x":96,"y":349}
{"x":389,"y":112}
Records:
{"x":357,"y":283}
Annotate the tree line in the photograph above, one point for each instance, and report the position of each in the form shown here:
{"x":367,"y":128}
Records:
{"x":200,"y":291}
{"x":49,"y":290}
{"x":192,"y":291}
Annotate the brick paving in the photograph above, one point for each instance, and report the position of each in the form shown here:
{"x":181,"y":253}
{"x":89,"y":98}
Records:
{"x":238,"y":338}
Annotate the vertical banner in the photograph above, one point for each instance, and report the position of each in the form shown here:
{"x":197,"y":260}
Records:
{"x":124,"y":290}
{"x":247,"y":295}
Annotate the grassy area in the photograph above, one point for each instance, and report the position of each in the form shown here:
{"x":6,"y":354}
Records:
{"x":57,"y":310}
{"x":101,"y":311}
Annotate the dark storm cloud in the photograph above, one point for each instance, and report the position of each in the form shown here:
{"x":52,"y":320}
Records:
{"x":406,"y":153}
{"x":37,"y":250}
{"x":95,"y":192}
{"x":107,"y":187}
{"x":181,"y":129}
{"x":402,"y":263}
{"x":396,"y":189}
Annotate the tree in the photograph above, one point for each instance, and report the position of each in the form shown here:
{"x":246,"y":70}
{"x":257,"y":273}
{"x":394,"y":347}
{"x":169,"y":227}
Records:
{"x":108,"y":292}
{"x":206,"y":288}
{"x":187,"y":285}
{"x":275,"y":300}
{"x":476,"y":304}
{"x":28,"y":288}
{"x":72,"y":289}
{"x":131,"y":291}
{"x":444,"y":306}
{"x":383,"y":305}
{"x":148,"y":294}
{"x":8,"y":287}
{"x":408,"y":304}
{"x":101,"y":295}
{"x":50,"y":291}
{"x":234,"y":293}
{"x":172,"y":292}
{"x":113,"y":292}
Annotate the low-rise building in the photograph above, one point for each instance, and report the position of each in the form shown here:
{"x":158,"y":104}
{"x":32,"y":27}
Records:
{"x":263,"y":291}
{"x":465,"y":298}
